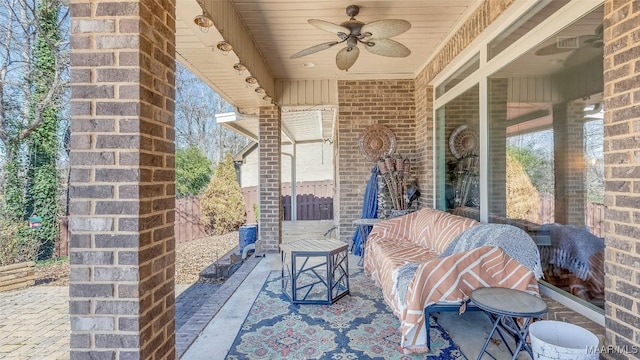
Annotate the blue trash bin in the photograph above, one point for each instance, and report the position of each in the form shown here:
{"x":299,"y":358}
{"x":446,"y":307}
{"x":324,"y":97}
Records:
{"x":247,"y":234}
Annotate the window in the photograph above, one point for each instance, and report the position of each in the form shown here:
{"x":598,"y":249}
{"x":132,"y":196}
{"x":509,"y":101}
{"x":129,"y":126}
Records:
{"x":462,"y":73}
{"x":458,"y":142}
{"x":545,"y":153}
{"x":541,"y":164}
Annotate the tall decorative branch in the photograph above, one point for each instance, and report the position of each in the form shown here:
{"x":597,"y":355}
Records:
{"x":396,"y":173}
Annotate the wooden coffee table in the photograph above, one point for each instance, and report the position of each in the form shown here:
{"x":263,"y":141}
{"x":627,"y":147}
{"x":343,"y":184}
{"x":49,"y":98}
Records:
{"x":315,"y":271}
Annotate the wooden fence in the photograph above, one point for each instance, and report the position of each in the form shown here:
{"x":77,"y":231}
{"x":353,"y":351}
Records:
{"x":309,"y":207}
{"x":314,"y":200}
{"x":594,"y":215}
{"x":187,"y":225}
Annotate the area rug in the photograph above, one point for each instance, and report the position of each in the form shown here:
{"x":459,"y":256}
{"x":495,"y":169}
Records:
{"x":358,"y":326}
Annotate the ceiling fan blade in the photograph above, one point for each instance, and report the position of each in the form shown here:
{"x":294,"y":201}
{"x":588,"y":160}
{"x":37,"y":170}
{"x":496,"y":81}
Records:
{"x":314,"y":49}
{"x":583,"y":55}
{"x":387,"y":47}
{"x":330,"y":27}
{"x":383,"y":29}
{"x":347,"y":57}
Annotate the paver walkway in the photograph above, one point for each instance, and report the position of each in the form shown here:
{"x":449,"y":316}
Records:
{"x":35,"y":323}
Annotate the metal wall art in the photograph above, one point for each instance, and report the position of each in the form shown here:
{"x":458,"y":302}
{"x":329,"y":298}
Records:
{"x":376,"y":142}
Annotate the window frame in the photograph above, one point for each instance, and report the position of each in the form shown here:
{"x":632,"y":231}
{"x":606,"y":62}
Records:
{"x":562,"y":18}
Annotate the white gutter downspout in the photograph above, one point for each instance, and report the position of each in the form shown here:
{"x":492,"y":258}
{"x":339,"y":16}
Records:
{"x":294,"y":192}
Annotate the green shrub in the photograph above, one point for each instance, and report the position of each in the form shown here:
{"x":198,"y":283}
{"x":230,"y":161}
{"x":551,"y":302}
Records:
{"x":193,"y":171}
{"x":523,"y":200}
{"x":222,"y":203}
{"x":18,"y":243}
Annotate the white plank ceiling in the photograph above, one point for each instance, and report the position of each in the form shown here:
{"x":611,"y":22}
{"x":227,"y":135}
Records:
{"x":279,"y":28}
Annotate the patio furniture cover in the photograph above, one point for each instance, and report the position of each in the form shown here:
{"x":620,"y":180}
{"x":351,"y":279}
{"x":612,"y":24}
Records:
{"x":419,"y":238}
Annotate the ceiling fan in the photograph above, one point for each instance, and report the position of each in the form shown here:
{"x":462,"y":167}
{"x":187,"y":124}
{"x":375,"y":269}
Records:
{"x":583,"y":47}
{"x":374,"y":36}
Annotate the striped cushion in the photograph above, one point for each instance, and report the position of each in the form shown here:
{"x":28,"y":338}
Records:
{"x":445,"y":227}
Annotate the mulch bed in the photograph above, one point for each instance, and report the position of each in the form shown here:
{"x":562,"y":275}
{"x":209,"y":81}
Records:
{"x":191,"y":258}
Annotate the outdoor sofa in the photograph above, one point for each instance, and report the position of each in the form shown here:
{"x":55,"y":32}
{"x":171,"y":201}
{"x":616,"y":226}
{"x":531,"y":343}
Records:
{"x":430,"y":257}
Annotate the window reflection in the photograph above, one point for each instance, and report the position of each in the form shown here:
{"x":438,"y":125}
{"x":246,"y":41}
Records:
{"x":545,"y":155}
{"x":522,"y":26}
{"x":458,"y":141}
{"x":544,"y":152}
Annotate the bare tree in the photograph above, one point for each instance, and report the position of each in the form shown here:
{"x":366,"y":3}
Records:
{"x":22,"y":108}
{"x":196,"y":107}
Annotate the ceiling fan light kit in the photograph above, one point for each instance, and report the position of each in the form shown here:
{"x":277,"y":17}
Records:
{"x":374,"y":37}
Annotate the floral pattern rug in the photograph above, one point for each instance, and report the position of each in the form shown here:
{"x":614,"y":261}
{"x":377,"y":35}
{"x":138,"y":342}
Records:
{"x":358,"y":326}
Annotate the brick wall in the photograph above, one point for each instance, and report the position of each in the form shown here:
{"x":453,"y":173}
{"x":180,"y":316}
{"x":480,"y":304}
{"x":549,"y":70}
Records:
{"x":270,"y":222}
{"x":475,"y":24}
{"x":424,"y":140}
{"x":568,"y":137}
{"x":622,"y":171}
{"x":498,"y":90}
{"x":363,"y":103}
{"x":122,"y":180}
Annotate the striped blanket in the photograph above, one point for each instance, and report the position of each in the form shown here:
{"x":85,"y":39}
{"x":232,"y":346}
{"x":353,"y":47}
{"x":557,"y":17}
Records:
{"x":419,"y":238}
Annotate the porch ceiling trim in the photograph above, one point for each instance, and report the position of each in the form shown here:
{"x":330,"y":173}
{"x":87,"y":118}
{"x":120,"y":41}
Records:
{"x":228,"y":22}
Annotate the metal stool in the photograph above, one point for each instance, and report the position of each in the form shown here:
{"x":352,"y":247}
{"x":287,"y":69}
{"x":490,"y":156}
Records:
{"x":503,"y":307}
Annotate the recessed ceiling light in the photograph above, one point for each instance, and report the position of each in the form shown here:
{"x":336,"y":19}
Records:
{"x":251,"y":81}
{"x":309,"y":64}
{"x":224,"y":47}
{"x":239,"y":67}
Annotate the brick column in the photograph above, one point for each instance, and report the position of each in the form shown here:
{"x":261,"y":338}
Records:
{"x":568,"y":123}
{"x":622,"y":171}
{"x":424,"y":140}
{"x":122,"y":180}
{"x":270,"y":225}
{"x":498,"y":99}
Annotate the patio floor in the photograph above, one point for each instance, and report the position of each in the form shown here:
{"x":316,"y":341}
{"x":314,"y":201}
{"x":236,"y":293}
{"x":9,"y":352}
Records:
{"x":469,"y":330}
{"x":36,"y":322}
